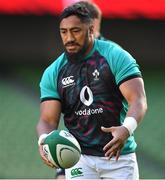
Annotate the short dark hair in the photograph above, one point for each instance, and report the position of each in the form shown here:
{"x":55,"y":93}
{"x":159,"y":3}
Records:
{"x":93,"y":9}
{"x":78,"y":10}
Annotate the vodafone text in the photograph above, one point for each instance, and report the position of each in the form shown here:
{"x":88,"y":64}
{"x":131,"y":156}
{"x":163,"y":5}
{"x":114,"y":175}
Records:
{"x":89,"y":112}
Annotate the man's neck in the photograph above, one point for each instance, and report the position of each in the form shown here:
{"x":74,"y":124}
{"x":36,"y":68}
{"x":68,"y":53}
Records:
{"x":97,"y":34}
{"x":90,"y":46}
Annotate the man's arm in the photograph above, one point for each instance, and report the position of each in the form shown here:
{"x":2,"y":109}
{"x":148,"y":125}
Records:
{"x":49,"y":119}
{"x":133,"y":91}
{"x":49,"y":116}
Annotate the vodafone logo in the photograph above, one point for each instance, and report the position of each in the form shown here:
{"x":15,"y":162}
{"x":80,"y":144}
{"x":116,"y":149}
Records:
{"x":86,"y":91}
{"x":86,"y":97}
{"x":68,"y":81}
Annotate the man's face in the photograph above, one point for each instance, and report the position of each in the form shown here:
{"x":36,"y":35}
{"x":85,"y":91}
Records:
{"x":76,"y":36}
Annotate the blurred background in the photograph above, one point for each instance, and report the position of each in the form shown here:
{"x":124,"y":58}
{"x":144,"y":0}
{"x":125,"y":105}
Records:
{"x":30,"y":41}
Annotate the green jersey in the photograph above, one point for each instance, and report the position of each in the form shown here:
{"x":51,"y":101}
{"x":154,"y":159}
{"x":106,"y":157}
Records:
{"x":89,"y":93}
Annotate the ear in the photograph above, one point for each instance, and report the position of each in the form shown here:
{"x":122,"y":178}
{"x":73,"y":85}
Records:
{"x":91,"y":29}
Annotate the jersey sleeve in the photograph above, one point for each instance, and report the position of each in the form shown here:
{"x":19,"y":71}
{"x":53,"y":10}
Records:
{"x":124,"y":66}
{"x":48,"y":85}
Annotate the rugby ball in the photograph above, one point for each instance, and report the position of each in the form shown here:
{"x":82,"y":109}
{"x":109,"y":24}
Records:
{"x":62,"y":149}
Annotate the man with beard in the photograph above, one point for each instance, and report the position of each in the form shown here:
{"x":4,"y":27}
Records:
{"x":96,"y":15}
{"x":98,"y":87}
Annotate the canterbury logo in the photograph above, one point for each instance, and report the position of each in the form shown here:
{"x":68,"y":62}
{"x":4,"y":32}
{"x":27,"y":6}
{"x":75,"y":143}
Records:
{"x":76,"y":172}
{"x":86,"y":96}
{"x":68,"y":81}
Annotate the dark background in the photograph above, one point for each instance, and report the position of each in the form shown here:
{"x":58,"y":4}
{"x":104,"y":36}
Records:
{"x":35,"y":39}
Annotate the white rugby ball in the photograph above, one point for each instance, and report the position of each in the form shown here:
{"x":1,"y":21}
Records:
{"x":62,"y":149}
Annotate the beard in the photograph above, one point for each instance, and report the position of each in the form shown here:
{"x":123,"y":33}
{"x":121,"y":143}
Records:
{"x":78,"y":56}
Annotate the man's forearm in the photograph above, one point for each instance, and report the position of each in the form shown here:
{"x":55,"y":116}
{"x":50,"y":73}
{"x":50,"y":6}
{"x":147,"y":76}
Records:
{"x":137,"y":110}
{"x":44,"y":127}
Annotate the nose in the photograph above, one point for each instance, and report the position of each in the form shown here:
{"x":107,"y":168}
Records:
{"x":70,"y":37}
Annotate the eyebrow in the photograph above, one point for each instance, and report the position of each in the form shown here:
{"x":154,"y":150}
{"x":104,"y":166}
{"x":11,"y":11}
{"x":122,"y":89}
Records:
{"x":73,"y":28}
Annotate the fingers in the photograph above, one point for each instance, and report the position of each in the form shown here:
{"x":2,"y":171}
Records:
{"x":111,"y":149}
{"x":115,"y":153}
{"x":118,"y":154}
{"x":45,"y":160}
{"x":109,"y":145}
{"x":49,"y":163}
{"x":108,"y":130}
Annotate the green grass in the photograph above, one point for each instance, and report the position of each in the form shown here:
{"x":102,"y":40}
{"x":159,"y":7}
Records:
{"x":19,"y":157}
{"x":150,"y":134}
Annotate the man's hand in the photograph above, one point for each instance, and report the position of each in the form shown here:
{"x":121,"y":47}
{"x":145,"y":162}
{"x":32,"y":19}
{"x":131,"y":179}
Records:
{"x":46,"y":161}
{"x":42,"y":154}
{"x":120,"y":135}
